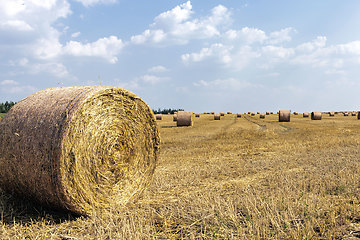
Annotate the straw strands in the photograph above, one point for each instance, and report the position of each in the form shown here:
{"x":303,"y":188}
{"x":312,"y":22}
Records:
{"x":184,"y":118}
{"x":284,"y":115}
{"x":316,"y":116}
{"x":79,"y":148}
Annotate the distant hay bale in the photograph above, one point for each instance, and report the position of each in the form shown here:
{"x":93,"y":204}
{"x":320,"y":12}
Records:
{"x":252,"y":114}
{"x":284,"y":116}
{"x":296,"y":113}
{"x":267,"y":113}
{"x":184,"y":119}
{"x":353,"y":114}
{"x":262,"y":115}
{"x":212,"y":113}
{"x":229,"y":113}
{"x":358,"y":115}
{"x":346,"y":114}
{"x":238,"y":115}
{"x":175,"y":117}
{"x":222,"y":114}
{"x":306,"y":114}
{"x":197,"y":114}
{"x":316,"y":116}
{"x":271,"y":113}
{"x":331,"y":114}
{"x":249,"y":113}
{"x":79,"y":148}
{"x":158,"y":116}
{"x":257,"y":112}
{"x":217,"y":116}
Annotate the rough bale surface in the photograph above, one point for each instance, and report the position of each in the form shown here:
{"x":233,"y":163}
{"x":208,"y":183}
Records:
{"x":306,"y":114}
{"x":79,"y":148}
{"x":158,"y":116}
{"x":267,"y":113}
{"x":217,"y":116}
{"x":184,"y":118}
{"x":316,"y":116}
{"x":284,"y":116}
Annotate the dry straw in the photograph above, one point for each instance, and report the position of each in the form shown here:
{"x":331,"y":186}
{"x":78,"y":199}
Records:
{"x":197,"y":114}
{"x":217,"y":116}
{"x":262,"y":115}
{"x":238,"y":115}
{"x":306,"y":114}
{"x":79,"y":148}
{"x":284,"y":116}
{"x":184,"y":118}
{"x":316,"y":116}
{"x":158,"y":116}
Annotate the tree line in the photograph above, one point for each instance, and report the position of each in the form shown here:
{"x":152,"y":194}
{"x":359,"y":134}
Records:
{"x":5,"y":107}
{"x":166,"y":111}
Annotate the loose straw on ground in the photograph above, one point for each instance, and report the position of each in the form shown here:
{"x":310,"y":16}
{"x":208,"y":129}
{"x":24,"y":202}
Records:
{"x":284,"y":116}
{"x":79,"y":148}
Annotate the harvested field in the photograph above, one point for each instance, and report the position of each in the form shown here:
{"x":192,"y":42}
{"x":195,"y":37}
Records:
{"x":230,"y":179}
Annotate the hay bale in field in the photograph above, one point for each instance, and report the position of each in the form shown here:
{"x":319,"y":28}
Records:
{"x":184,"y":119}
{"x":175,"y":117}
{"x":252,"y":114}
{"x":217,"y":116}
{"x":284,"y":116}
{"x":296,"y":113}
{"x":271,"y":113}
{"x":262,"y":115}
{"x":238,"y":115}
{"x":249,"y":113}
{"x":267,"y":113}
{"x":353,"y":114}
{"x":358,"y":115}
{"x":222,"y":114}
{"x":212,"y":113}
{"x":79,"y":148}
{"x":158,"y":116}
{"x":197,"y":114}
{"x":229,"y":113}
{"x":306,"y":114}
{"x":346,"y":114}
{"x":331,"y":114}
{"x":257,"y":112}
{"x":316,"y":115}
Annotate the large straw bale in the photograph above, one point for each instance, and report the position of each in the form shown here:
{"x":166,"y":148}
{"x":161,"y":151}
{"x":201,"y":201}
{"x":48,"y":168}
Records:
{"x":331,"y":114}
{"x":197,"y":114}
{"x":358,"y":115}
{"x":262,"y":115}
{"x":353,"y":114}
{"x":346,"y":114}
{"x":284,"y":115}
{"x":267,"y":113}
{"x":222,"y":114}
{"x":158,"y":116}
{"x":175,"y":117}
{"x":184,"y":118}
{"x":229,"y":112}
{"x":238,"y":115}
{"x":252,"y":114}
{"x":316,"y":116}
{"x":306,"y":114}
{"x":80,"y":149}
{"x":296,"y":113}
{"x":217,"y":116}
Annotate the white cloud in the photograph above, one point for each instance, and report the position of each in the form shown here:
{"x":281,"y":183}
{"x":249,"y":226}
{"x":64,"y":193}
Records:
{"x":9,"y":82}
{"x":75,"y":34}
{"x":56,"y":69}
{"x":217,"y":50}
{"x":278,"y":52}
{"x":319,"y":42}
{"x":246,"y":35}
{"x":106,"y":48}
{"x":152,"y":79}
{"x":281,"y":36}
{"x":89,"y":3}
{"x":177,"y":26}
{"x":19,"y":89}
{"x":158,"y":69}
{"x":227,"y":84}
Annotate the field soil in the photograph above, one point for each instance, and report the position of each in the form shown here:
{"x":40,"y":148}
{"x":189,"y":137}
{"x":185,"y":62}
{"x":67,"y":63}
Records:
{"x":237,"y":178}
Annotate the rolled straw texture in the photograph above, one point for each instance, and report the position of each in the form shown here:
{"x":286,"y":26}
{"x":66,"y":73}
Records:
{"x":284,"y":116}
{"x":79,"y":148}
{"x":217,"y":116}
{"x":316,"y":116}
{"x":184,"y":118}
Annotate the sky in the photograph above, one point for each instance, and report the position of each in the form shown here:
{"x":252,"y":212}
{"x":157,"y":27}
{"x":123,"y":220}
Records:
{"x":202,"y":56}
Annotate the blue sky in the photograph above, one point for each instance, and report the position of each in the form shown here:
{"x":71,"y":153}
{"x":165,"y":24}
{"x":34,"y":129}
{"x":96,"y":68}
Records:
{"x":239,"y":56}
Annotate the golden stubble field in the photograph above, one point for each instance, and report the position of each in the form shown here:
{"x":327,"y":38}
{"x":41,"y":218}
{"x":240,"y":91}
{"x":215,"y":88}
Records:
{"x":237,"y":178}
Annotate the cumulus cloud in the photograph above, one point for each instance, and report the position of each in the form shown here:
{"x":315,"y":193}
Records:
{"x":75,"y":34}
{"x":158,"y":69}
{"x":152,"y":79}
{"x":9,"y":82}
{"x":217,"y":50}
{"x":107,"y":48}
{"x":177,"y":26}
{"x":227,"y":84}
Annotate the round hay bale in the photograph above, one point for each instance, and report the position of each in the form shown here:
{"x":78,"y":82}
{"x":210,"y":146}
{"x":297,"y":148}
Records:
{"x":252,"y":114}
{"x":238,"y":115}
{"x":217,"y":116}
{"x":79,"y":148}
{"x":257,"y":112}
{"x":358,"y":115}
{"x":249,"y":113}
{"x":212,"y":113}
{"x":262,"y":115}
{"x":197,"y":114}
{"x":271,"y":113}
{"x":175,"y":117}
{"x":306,"y":114}
{"x":346,"y":114}
{"x":284,"y":116}
{"x":316,"y":116}
{"x":158,"y":116}
{"x":222,"y":114}
{"x":184,"y":118}
{"x":296,"y":113}
{"x":331,"y":114}
{"x":267,"y":113}
{"x":353,"y":114}
{"x":229,"y":112}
